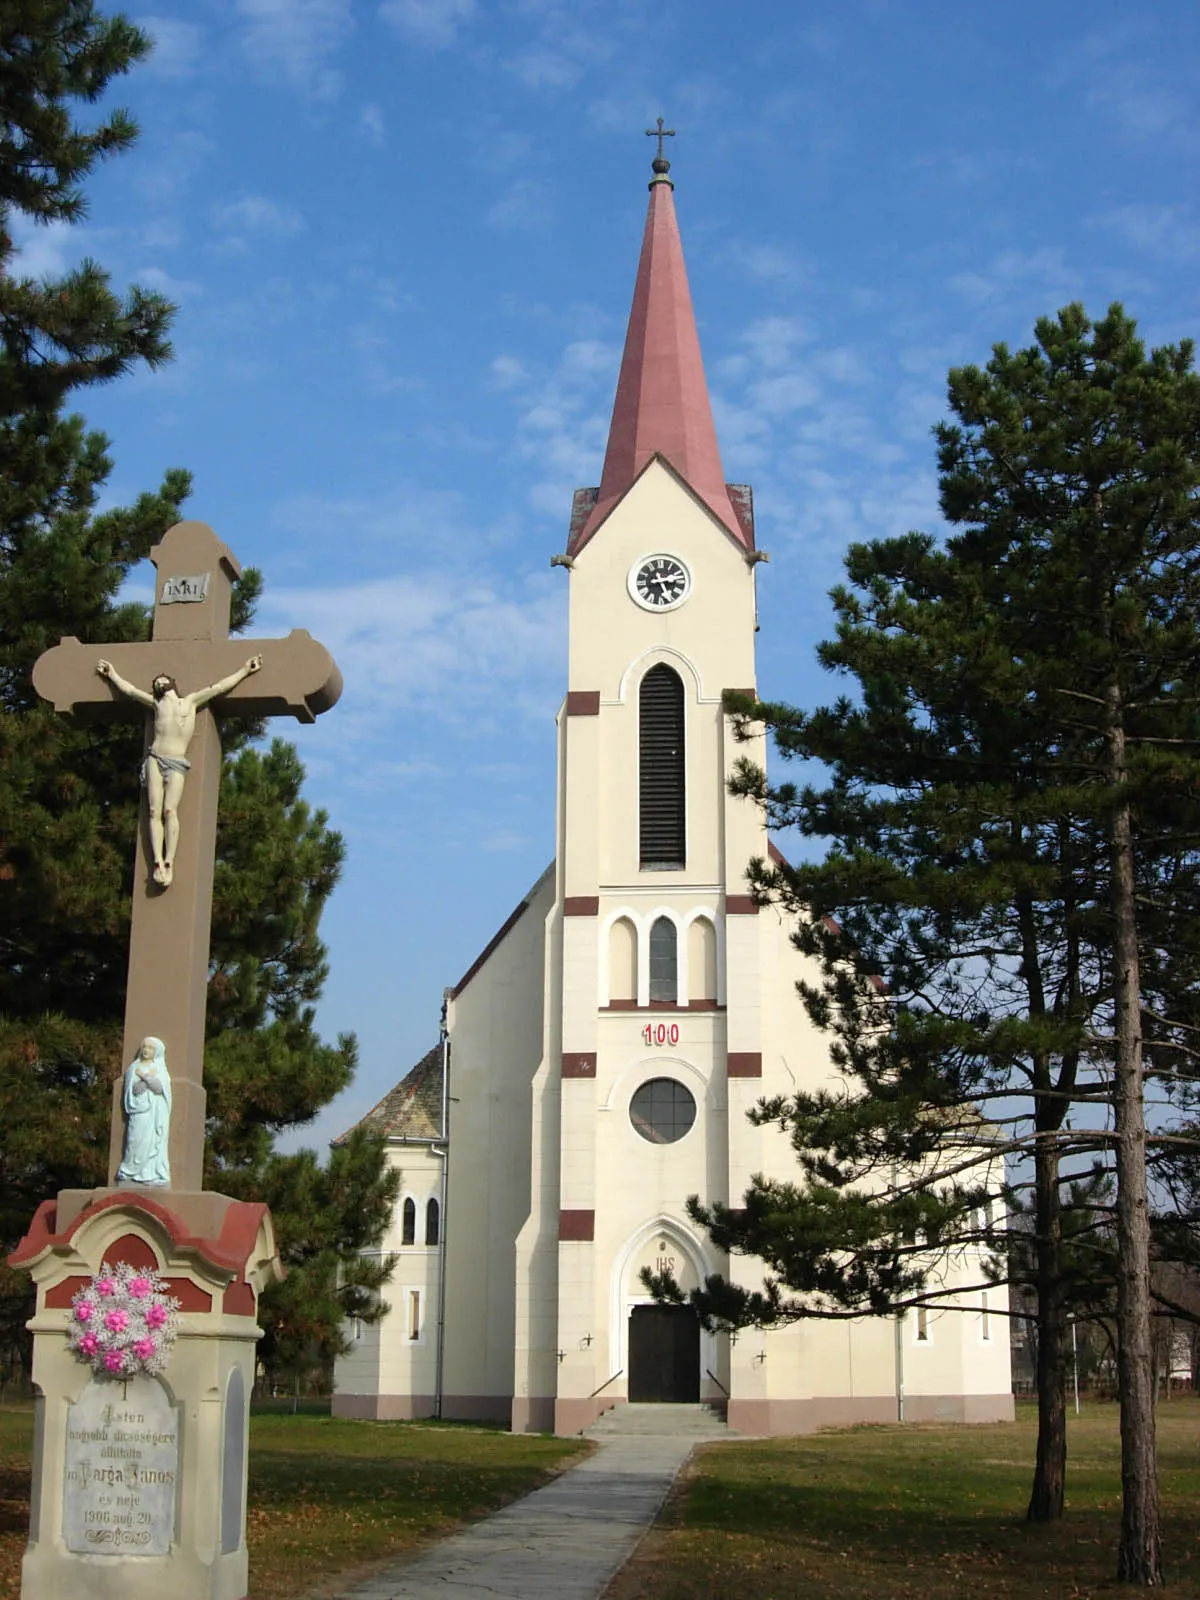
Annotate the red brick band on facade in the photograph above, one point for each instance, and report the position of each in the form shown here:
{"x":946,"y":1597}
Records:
{"x":579,"y":1226}
{"x":581,"y":905}
{"x":583,"y":702}
{"x":741,"y":905}
{"x":579,"y":1064}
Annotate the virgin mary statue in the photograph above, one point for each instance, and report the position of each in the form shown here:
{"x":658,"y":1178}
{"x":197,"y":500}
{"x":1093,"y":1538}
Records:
{"x":147,"y":1101}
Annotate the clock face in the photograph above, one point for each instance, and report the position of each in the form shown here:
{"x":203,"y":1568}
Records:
{"x":660,"y":583}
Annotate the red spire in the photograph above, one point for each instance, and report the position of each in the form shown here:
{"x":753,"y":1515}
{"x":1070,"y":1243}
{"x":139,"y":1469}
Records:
{"x":662,"y":405}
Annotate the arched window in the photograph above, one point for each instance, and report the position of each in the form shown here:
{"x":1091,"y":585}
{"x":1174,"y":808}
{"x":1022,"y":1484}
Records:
{"x":408,"y":1223}
{"x":702,"y":960}
{"x":660,"y":753}
{"x":433,"y":1218}
{"x":622,"y":960}
{"x":664,"y":961}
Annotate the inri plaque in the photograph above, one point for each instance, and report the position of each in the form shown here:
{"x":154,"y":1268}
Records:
{"x":122,"y":1470}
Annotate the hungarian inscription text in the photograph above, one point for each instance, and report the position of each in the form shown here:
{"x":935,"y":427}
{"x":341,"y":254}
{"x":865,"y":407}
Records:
{"x":122,"y":1470}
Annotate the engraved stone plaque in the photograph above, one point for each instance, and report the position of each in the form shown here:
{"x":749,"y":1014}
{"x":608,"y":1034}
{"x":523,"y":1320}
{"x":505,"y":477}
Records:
{"x":179,"y":591}
{"x":122,"y":1470}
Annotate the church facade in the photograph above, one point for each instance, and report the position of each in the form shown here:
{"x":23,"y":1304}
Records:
{"x":599,"y":1057}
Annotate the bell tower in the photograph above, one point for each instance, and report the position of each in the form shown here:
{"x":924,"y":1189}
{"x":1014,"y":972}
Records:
{"x":656,"y":935}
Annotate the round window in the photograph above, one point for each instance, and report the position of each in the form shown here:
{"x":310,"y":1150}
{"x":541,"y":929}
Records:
{"x":662,"y":1111}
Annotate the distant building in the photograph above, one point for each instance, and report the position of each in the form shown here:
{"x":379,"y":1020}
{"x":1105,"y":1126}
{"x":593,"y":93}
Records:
{"x":605,"y":1047}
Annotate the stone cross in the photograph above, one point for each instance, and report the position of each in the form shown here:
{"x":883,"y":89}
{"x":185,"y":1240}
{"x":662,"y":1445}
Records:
{"x":169,"y":933}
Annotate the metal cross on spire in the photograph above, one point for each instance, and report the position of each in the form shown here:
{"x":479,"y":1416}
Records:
{"x":660,"y":133}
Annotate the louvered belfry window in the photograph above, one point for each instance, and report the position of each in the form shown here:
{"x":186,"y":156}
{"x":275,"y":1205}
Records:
{"x":660,"y":732}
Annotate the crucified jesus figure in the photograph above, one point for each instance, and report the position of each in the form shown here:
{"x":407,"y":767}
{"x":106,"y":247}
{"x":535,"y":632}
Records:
{"x":166,"y":765}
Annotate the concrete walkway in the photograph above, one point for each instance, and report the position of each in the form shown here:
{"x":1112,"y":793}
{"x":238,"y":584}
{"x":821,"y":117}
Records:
{"x":562,"y":1542}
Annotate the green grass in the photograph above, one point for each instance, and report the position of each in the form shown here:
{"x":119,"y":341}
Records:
{"x":918,"y":1513}
{"x":327,"y":1496}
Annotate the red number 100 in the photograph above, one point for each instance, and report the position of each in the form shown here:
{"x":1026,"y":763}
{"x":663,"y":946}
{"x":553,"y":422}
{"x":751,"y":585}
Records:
{"x":661,"y":1033}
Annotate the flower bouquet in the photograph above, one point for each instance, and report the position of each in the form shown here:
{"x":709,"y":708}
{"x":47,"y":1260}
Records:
{"x":123,"y":1322}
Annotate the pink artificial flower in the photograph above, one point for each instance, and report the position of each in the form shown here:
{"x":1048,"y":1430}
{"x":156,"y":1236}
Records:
{"x":140,"y":1287}
{"x":89,"y":1344}
{"x":84,"y":1311}
{"x":114,"y":1360}
{"x":105,"y":1286}
{"x":156,"y":1316}
{"x":144,"y":1348}
{"x":116,"y":1321}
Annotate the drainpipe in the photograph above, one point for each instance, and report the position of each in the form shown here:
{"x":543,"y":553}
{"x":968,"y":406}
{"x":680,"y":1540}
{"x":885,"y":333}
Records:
{"x":444,"y":1040}
{"x":899,"y":1366}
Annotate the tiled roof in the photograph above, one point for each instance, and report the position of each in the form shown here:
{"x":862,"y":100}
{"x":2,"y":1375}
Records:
{"x":413,"y":1109}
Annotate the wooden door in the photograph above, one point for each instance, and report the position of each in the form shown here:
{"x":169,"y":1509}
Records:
{"x":664,"y":1355}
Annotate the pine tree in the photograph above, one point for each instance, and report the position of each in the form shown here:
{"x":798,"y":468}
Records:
{"x":69,"y":797}
{"x":1006,"y":918}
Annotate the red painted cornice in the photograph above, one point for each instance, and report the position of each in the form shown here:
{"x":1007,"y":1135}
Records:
{"x":229,"y":1252}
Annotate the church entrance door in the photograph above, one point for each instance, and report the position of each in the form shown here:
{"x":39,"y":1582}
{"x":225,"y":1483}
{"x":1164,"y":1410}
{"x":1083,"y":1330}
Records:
{"x":664,"y":1354}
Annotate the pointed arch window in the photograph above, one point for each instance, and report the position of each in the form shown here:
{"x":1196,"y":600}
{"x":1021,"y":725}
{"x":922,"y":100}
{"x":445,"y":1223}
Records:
{"x":664,"y":961}
{"x":433,"y":1219}
{"x":408,"y":1222}
{"x":660,"y":751}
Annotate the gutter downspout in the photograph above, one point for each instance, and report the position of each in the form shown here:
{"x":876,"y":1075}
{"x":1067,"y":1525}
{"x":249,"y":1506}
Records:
{"x":445,"y":1155}
{"x":899,"y":1366}
{"x":899,"y":1338}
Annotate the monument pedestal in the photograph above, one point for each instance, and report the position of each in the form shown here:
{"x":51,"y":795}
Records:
{"x":139,"y":1486}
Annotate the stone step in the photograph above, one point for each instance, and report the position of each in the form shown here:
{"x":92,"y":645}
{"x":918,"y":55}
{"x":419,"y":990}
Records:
{"x":673,"y":1421}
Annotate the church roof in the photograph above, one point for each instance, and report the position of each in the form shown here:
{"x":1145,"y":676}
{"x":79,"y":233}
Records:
{"x":413,"y":1109}
{"x":662,"y":406}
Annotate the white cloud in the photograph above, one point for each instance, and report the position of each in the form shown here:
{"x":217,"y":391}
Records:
{"x":174,"y":288}
{"x":380,"y":364}
{"x":541,"y":66}
{"x":432,"y":23}
{"x":623,"y":111}
{"x":41,"y":249}
{"x":772,"y":341}
{"x":254,"y":216}
{"x":463,"y":643}
{"x":1012,"y":271}
{"x":562,"y":423}
{"x":370,"y":120}
{"x":508,"y":371}
{"x":502,"y":840}
{"x":499,"y":149}
{"x":524,"y":204}
{"x":1143,"y":108}
{"x":769,"y":263}
{"x":177,"y":46}
{"x":1168,"y":233}
{"x":790,"y":391}
{"x":164,"y":170}
{"x":294,"y":39}
{"x":563,"y":50}
{"x":407,"y":516}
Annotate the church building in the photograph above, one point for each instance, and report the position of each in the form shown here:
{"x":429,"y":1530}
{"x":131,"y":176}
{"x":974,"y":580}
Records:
{"x":599,"y":1057}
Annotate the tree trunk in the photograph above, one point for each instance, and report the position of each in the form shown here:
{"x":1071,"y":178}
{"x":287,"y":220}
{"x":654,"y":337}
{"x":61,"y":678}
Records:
{"x":1050,"y":1471}
{"x":1139,"y":1558}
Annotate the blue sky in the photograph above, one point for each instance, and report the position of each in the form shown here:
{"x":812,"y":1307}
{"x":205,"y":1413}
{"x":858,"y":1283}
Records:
{"x":402,"y":236}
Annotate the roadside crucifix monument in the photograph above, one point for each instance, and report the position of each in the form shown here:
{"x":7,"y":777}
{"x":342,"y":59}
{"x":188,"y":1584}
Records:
{"x":147,"y":1290}
{"x":190,"y":668}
